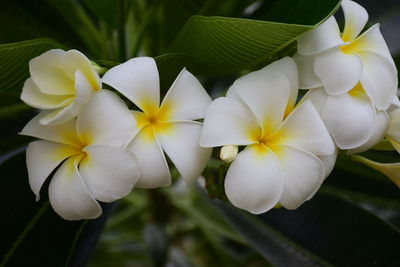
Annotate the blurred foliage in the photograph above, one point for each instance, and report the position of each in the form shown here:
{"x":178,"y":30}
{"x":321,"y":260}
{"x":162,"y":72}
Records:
{"x":353,"y":221}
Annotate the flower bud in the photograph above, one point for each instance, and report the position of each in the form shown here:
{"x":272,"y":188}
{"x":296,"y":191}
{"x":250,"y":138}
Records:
{"x":228,"y":153}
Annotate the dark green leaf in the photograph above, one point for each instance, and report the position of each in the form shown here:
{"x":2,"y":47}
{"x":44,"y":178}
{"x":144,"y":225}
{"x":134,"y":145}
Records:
{"x":104,"y":9}
{"x":221,"y":46}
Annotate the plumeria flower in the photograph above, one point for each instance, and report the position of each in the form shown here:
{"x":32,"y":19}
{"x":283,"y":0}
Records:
{"x":351,"y":118}
{"x":95,"y":163}
{"x":339,"y":61}
{"x":169,"y":127}
{"x":286,"y":147}
{"x":61,"y":81}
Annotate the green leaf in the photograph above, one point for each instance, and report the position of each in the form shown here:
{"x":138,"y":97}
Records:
{"x":221,"y":46}
{"x":14,"y":59}
{"x":272,"y":245}
{"x":31,"y":233}
{"x":104,"y":9}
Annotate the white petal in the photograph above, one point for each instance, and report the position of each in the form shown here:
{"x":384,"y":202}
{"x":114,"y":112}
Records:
{"x":186,"y":99}
{"x":350,"y":120}
{"x":355,"y":19}
{"x":379,"y":79}
{"x":318,"y":97}
{"x":32,"y":96}
{"x":74,"y":61}
{"x":82,"y":96}
{"x":307,"y":77}
{"x":329,"y":162}
{"x":322,"y":38}
{"x":378,"y":132}
{"x":372,"y":41}
{"x":228,"y":122}
{"x":266,"y":92}
{"x":146,"y":147}
{"x":288,"y":67}
{"x":62,"y":133}
{"x":109,"y":172}
{"x":138,"y":80}
{"x":304,"y":129}
{"x":48,"y":75}
{"x":69,"y":195}
{"x":302,"y":174}
{"x":254,"y":181}
{"x":391,"y":170}
{"x":393,"y":131}
{"x":42,"y":157}
{"x":106,"y":120}
{"x":181,"y":144}
{"x":339,"y":72}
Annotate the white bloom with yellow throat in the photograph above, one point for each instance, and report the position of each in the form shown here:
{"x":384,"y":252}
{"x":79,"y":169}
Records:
{"x":288,"y":150}
{"x":61,"y":81}
{"x":339,"y":61}
{"x":92,"y":154}
{"x":170,"y":126}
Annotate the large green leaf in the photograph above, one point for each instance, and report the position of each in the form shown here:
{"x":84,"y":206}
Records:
{"x":14,"y":59}
{"x":31,"y":233}
{"x":221,"y":45}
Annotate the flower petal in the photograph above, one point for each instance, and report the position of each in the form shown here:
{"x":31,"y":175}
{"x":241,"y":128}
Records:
{"x":266,"y":92}
{"x":304,"y":129}
{"x":302,"y":174}
{"x":318,"y":97}
{"x":254,"y":181}
{"x":42,"y":157}
{"x":356,"y":18}
{"x":349,"y":119}
{"x":329,"y":161}
{"x":182,"y":147}
{"x":48,"y":75}
{"x":138,"y":80}
{"x":186,"y":99}
{"x":320,"y":39}
{"x":228,"y":122}
{"x":339,"y":72}
{"x":391,"y":170}
{"x":393,"y":131}
{"x":82,"y":96}
{"x":378,"y":132}
{"x":372,"y":41}
{"x":307,"y":77}
{"x":74,"y":61}
{"x":379,"y":79}
{"x":106,"y":120}
{"x":68,"y":194}
{"x":62,"y":133}
{"x":146,"y":147}
{"x":109,"y":172}
{"x":33,"y":97}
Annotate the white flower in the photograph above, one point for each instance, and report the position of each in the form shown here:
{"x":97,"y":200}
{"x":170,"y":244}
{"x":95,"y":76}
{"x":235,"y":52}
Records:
{"x":169,"y":126}
{"x":351,"y":118}
{"x":339,"y":61}
{"x":280,"y":163}
{"x":62,"y":81}
{"x":393,"y":131}
{"x":91,"y":150}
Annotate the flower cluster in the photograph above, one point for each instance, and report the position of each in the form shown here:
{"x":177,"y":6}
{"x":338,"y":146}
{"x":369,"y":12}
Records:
{"x":279,"y":149}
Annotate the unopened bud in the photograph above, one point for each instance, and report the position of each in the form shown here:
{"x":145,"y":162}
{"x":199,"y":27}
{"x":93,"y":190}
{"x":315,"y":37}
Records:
{"x":228,"y":153}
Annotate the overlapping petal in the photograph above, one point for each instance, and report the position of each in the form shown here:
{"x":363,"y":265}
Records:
{"x":356,"y":18}
{"x":106,"y":120}
{"x":339,"y":72}
{"x":42,"y":157}
{"x":182,"y":147}
{"x":327,"y":34}
{"x":304,"y":129}
{"x":146,"y":147}
{"x":186,"y":99}
{"x":138,"y":80}
{"x":254,"y":181}
{"x":229,"y":122}
{"x":302,"y":174}
{"x":109,"y":172}
{"x":307,"y":77}
{"x":69,"y":195}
